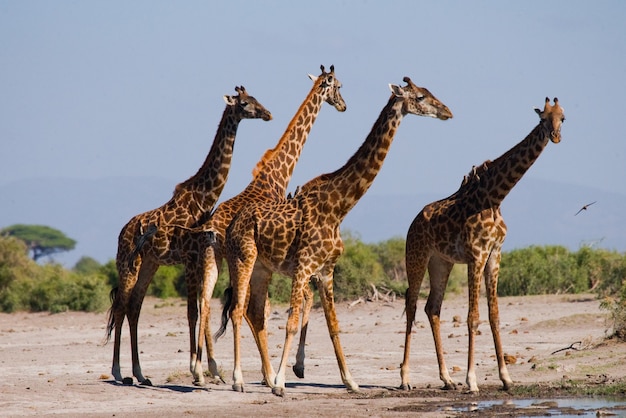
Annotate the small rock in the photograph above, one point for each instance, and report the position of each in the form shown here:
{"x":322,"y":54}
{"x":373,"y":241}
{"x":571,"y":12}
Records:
{"x":509,"y":359}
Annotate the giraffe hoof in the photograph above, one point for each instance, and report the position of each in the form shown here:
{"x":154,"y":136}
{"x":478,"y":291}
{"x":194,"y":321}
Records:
{"x":127,"y":381}
{"x":199,"y":383}
{"x":405,"y":386}
{"x":449,"y":386}
{"x":471,"y":391}
{"x":146,"y":382}
{"x":298,"y":371}
{"x":352,"y":387}
{"x":278,"y":391}
{"x":238,"y":387}
{"x":217,"y":377}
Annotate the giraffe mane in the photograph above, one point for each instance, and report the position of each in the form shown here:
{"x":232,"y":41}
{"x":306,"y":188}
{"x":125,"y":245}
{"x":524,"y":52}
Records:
{"x":269,"y":154}
{"x":264,"y":159}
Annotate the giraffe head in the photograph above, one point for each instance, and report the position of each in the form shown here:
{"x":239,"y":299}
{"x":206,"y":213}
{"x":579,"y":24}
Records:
{"x":552,"y":118}
{"x":419,"y":101}
{"x":329,"y":86}
{"x":246,"y":106}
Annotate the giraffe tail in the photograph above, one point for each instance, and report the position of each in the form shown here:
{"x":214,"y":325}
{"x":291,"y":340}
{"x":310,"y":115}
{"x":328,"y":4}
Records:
{"x":145,"y":236}
{"x":228,"y":299}
{"x":111,"y":320}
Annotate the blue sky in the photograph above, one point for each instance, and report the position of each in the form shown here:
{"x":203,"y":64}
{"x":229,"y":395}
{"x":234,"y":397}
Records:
{"x":100,"y":89}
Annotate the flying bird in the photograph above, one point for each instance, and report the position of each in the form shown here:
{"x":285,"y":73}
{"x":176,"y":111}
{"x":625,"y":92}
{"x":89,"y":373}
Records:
{"x":584,"y":208}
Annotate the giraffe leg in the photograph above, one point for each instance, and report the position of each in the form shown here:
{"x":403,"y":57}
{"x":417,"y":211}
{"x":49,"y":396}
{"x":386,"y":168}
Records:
{"x":491,"y":283}
{"x":192,"y":320}
{"x":118,"y":313}
{"x":207,"y":268}
{"x":207,"y":295}
{"x":328,"y":303}
{"x":146,"y":272}
{"x":295,"y":305}
{"x":415,"y":268}
{"x":439,"y":272}
{"x":208,"y":339}
{"x":128,"y":273}
{"x":257,"y":313}
{"x":195,"y":359}
{"x":116,"y":371}
{"x":475,"y":270}
{"x":298,"y":368}
{"x":240,"y":271}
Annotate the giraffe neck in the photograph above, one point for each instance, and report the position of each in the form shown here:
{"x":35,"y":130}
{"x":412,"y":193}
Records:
{"x":354,"y":179}
{"x":275,"y":168}
{"x":207,"y":184}
{"x":503,"y":173}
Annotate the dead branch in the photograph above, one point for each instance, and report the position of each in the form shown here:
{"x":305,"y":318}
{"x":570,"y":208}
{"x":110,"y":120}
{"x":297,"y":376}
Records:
{"x":571,"y":347}
{"x":356,"y":302}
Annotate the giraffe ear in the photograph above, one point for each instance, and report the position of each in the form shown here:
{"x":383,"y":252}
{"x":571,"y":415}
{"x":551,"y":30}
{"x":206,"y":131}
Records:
{"x":313,"y":77}
{"x":396,"y":90}
{"x":230,"y":100}
{"x":538,"y":111}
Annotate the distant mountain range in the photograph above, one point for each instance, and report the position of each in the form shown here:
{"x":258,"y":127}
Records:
{"x":92,"y":212}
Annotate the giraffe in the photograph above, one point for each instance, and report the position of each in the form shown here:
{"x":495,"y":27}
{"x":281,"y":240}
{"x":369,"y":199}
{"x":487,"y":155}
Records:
{"x":143,"y":245}
{"x":467,"y":227}
{"x":270,"y":180}
{"x":300,"y":238}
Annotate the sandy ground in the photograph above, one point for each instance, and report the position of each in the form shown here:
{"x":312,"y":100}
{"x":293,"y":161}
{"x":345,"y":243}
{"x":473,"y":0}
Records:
{"x":57,"y":364}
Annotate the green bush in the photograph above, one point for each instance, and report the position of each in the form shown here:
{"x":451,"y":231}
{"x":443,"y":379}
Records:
{"x":12,"y":297}
{"x":168,"y":282}
{"x":554,"y":269}
{"x":26,"y":285}
{"x":390,"y":255}
{"x":540,"y":270}
{"x":605,"y":270}
{"x":14,"y":261}
{"x":616,"y":305}
{"x":58,"y":290}
{"x":280,"y":289}
{"x":109,"y":270}
{"x":87,"y":265}
{"x":356,"y":270}
{"x":457,"y":281}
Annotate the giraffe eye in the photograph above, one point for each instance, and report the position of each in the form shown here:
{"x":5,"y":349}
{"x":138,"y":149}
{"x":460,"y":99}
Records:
{"x":330,"y":79}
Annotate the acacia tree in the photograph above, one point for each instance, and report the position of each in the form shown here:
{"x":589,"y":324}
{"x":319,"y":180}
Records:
{"x":40,"y":239}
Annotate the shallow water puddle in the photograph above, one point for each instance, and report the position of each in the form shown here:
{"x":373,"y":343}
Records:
{"x":583,"y":407}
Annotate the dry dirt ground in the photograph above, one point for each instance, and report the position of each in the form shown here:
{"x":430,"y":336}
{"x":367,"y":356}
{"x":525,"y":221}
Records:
{"x":57,"y":365}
